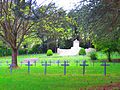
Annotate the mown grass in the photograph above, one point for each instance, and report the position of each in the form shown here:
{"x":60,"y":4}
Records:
{"x":54,"y":79}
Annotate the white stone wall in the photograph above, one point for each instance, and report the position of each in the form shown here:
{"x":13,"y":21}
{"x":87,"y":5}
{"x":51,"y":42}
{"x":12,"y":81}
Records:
{"x":74,"y":50}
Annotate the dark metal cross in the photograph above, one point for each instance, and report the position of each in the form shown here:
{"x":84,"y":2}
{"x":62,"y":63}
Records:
{"x":35,"y":62}
{"x":84,"y":65}
{"x":7,"y":62}
{"x":65,"y":64}
{"x":105,"y":64}
{"x":11,"y":68}
{"x":45,"y":68}
{"x":28,"y":66}
{"x":58,"y":62}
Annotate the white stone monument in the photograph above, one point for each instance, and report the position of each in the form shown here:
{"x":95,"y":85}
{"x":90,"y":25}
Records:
{"x":70,"y":52}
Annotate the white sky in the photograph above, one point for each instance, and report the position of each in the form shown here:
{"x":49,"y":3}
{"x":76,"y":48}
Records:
{"x":66,"y":4}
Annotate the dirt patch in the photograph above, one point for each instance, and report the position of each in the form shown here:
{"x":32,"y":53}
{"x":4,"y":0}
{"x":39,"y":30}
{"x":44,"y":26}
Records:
{"x":112,"y":86}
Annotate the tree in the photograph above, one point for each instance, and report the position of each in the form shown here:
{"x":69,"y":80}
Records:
{"x":80,"y":25}
{"x":103,"y":20}
{"x":53,"y":26}
{"x":16,"y":19}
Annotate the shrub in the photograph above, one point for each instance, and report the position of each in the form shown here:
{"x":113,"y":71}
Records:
{"x":49,"y":52}
{"x":93,"y":56}
{"x":82,"y":51}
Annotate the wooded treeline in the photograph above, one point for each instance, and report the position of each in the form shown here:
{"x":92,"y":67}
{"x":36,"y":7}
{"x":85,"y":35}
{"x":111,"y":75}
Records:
{"x":29,"y":28}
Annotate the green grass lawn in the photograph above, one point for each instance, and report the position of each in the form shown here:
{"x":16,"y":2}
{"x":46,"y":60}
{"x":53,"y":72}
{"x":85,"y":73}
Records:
{"x":55,"y":80}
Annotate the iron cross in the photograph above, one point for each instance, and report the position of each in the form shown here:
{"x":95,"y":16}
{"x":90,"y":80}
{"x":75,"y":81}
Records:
{"x":84,"y":65}
{"x":45,"y":68}
{"x":65,"y":64}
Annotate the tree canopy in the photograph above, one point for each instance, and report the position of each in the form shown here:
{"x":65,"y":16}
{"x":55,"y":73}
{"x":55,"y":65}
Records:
{"x":102,"y":22}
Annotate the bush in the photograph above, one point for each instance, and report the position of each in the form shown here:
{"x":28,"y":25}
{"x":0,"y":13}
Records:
{"x":49,"y":52}
{"x":82,"y":51}
{"x":93,"y":56}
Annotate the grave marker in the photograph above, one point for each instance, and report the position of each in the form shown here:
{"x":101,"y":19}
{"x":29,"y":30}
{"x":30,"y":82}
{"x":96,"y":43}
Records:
{"x":11,"y":68}
{"x":45,"y":68}
{"x":28,"y":66}
{"x":58,"y":62}
{"x":7,"y":63}
{"x":84,"y":65}
{"x":93,"y":62}
{"x":65,"y":65}
{"x":35,"y":63}
{"x":105,"y":65}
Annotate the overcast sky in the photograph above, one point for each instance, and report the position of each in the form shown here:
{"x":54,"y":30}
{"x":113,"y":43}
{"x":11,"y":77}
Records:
{"x":66,"y":4}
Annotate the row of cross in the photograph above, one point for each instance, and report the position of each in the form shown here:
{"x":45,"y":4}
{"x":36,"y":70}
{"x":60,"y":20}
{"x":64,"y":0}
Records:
{"x":65,"y":64}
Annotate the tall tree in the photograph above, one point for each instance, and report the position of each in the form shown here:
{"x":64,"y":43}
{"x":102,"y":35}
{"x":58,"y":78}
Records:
{"x":103,"y":20}
{"x":16,"y":20}
{"x":52,"y":27}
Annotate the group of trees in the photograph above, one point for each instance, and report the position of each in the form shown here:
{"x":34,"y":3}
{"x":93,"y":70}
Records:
{"x":20,"y":19}
{"x":92,"y":22}
{"x":99,"y":23}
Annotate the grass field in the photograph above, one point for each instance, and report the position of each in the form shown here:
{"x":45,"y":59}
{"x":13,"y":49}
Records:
{"x":54,"y":79}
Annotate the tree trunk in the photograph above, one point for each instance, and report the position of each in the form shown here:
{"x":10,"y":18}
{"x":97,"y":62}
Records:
{"x":55,"y":45}
{"x":14,"y":58}
{"x":109,"y":56}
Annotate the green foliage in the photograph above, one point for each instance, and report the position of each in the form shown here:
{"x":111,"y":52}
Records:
{"x":82,"y":51}
{"x":93,"y":55}
{"x":8,"y":52}
{"x":22,"y":51}
{"x":4,"y":51}
{"x":103,"y":27}
{"x":35,"y":48}
{"x":49,"y":52}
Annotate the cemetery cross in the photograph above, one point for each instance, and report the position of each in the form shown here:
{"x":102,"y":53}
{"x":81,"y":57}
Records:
{"x":65,"y":64}
{"x":58,"y":62}
{"x":7,"y":62}
{"x":35,"y":62}
{"x":28,"y":66}
{"x":45,"y":68}
{"x":105,"y":64}
{"x":10,"y":68}
{"x":84,"y":65}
